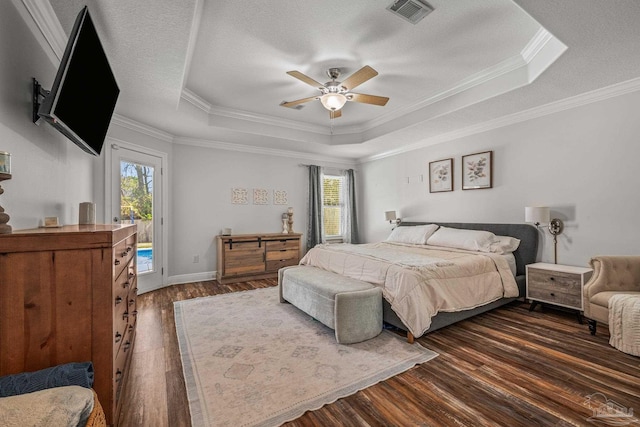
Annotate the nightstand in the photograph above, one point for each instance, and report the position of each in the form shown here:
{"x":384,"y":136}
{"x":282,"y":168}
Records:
{"x":555,"y":284}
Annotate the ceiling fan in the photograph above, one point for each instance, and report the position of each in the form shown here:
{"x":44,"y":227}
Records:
{"x":335,"y":94}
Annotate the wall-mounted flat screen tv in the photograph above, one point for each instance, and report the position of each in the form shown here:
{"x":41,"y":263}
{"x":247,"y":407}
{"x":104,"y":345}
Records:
{"x":84,"y":93}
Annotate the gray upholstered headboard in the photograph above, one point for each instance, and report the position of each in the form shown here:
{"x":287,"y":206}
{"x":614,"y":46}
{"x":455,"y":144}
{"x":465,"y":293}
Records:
{"x":527,"y":250}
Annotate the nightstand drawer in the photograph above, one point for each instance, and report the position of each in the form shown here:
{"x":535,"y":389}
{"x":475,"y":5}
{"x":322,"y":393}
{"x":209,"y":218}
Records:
{"x":557,"y":297}
{"x":555,"y":281}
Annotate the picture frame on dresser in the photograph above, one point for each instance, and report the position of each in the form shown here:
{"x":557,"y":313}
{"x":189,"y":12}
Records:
{"x":441,"y":176}
{"x":477,"y":171}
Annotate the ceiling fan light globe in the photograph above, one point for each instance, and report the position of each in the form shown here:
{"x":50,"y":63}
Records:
{"x":333,"y":101}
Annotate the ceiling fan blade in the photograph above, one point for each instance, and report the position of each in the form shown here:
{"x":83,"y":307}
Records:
{"x":292,"y":104}
{"x":362,"y":75}
{"x":335,"y":114}
{"x":368,"y":99}
{"x":308,"y":80}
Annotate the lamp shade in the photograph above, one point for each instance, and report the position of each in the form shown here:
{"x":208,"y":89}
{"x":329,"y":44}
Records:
{"x":333,"y":101}
{"x":537,"y":214}
{"x":390,"y":215}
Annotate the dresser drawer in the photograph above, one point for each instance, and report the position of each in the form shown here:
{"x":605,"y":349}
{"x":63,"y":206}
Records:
{"x":276,"y":245}
{"x":277,"y":265}
{"x":122,"y":255}
{"x":282,"y":254}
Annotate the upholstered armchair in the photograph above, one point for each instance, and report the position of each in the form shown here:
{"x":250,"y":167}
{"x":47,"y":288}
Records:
{"x":611,"y":275}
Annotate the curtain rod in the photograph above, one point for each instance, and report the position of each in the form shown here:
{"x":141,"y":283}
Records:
{"x":326,"y":167}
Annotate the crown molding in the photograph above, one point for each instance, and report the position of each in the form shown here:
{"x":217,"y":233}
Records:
{"x":264,"y":119}
{"x":138,"y":127}
{"x":191,"y":45}
{"x":195,"y":100}
{"x":536,"y":44}
{"x":576,"y":101}
{"x":45,"y":26}
{"x":228,"y":146}
{"x":523,"y":59}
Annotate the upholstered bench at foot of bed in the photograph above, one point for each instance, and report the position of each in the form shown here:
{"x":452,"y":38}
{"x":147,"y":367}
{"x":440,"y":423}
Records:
{"x":352,"y":308}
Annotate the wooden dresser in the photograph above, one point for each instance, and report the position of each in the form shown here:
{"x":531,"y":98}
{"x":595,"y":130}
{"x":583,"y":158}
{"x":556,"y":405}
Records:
{"x":68,"y":294}
{"x":255,"y":256}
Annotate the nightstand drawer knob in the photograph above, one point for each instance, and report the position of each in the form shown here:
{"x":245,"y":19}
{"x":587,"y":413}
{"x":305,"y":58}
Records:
{"x":552,"y":278}
{"x":552,"y":294}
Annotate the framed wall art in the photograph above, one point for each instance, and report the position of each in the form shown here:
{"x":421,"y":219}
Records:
{"x":477,"y":171}
{"x":260,"y":196}
{"x":441,"y":176}
{"x":239,"y":196}
{"x":280,"y":197}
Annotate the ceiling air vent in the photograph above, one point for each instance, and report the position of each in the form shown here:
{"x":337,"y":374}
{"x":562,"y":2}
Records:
{"x":411,"y":10}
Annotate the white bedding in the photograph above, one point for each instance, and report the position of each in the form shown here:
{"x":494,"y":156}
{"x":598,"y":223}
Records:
{"x":419,"y":280}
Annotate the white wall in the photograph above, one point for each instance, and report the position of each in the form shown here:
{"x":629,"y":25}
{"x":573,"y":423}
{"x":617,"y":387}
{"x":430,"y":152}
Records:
{"x":202,"y":179}
{"x":50,"y":175}
{"x":582,"y":163}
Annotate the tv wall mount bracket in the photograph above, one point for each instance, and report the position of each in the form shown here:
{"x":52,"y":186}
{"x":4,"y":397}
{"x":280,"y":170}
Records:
{"x":38,"y":92}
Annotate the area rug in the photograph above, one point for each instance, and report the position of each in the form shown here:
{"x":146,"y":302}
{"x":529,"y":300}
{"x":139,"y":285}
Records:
{"x":249,"y":360}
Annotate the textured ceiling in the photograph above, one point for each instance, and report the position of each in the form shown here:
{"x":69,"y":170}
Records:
{"x":215,"y":71}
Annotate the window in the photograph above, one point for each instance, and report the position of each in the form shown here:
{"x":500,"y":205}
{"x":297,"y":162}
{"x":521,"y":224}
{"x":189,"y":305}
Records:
{"x":333,"y":206}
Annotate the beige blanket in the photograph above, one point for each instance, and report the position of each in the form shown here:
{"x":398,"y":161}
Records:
{"x":419,"y":281}
{"x":624,"y":323}
{"x":67,"y":406}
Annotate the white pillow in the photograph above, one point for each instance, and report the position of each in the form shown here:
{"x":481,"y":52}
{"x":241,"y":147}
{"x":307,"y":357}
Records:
{"x":504,"y":245}
{"x":471,"y":240}
{"x":414,"y":234}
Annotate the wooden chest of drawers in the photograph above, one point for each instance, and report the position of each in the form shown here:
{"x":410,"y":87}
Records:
{"x":69,"y":295}
{"x":255,"y":256}
{"x":556,"y":284}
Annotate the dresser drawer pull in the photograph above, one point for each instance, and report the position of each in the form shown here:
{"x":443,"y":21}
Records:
{"x":126,"y":345}
{"x":129,"y":248}
{"x":283,"y":250}
{"x":117,"y":262}
{"x":125,"y":284}
{"x":135,"y":312}
{"x":118,"y":300}
{"x":118,"y":375}
{"x":125,"y":315}
{"x":130,"y":331}
{"x":131,"y":275}
{"x":118,"y":337}
{"x":131,"y":302}
{"x":552,"y":294}
{"x":552,"y":278}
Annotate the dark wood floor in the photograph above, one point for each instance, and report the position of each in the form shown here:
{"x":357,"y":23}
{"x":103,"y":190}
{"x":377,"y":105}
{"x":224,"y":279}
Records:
{"x":508,"y":367}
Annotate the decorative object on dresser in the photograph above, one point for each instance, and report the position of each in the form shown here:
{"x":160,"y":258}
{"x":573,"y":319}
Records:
{"x":255,"y":256}
{"x":5,"y":173}
{"x":67,"y":295}
{"x":477,"y":171}
{"x":541,"y":215}
{"x":441,"y":176}
{"x":290,"y":220}
{"x":612,"y":275}
{"x":560,"y":285}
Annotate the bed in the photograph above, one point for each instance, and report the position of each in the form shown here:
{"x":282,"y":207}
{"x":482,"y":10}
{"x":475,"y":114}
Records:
{"x":428,"y":287}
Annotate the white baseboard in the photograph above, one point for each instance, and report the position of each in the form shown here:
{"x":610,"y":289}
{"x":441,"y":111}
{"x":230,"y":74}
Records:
{"x":192,"y":277}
